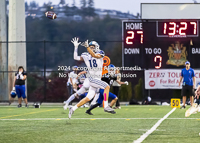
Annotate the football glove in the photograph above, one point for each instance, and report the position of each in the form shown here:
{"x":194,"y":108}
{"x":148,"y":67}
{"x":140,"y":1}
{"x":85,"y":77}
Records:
{"x":126,"y":82}
{"x":13,"y":88}
{"x":75,"y":42}
{"x":21,"y":76}
{"x":85,"y":44}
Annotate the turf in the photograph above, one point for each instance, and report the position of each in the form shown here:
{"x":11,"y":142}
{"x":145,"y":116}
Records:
{"x":50,"y":124}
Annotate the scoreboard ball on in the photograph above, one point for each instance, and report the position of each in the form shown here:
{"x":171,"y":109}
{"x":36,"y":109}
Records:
{"x":51,"y":15}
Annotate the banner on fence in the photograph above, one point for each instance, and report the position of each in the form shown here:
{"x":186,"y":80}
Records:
{"x":165,"y":78}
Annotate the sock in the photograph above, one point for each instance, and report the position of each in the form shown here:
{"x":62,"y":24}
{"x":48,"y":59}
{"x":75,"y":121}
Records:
{"x":105,"y":104}
{"x":93,"y":106}
{"x":74,"y":107}
{"x":198,"y":100}
{"x":70,"y":98}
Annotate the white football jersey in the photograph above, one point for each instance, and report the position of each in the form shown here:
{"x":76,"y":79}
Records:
{"x":72,"y":75}
{"x":94,"y":65}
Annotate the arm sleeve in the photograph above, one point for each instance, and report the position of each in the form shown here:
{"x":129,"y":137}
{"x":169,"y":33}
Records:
{"x":84,"y":55}
{"x":70,"y":75}
{"x":76,"y":57}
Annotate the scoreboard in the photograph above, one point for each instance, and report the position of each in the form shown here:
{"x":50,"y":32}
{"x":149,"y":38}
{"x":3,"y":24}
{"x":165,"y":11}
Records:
{"x":161,"y":44}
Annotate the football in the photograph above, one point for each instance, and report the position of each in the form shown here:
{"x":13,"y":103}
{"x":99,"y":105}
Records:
{"x":51,"y":15}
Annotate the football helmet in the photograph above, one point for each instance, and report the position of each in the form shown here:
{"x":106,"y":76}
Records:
{"x":111,"y":69}
{"x":13,"y":94}
{"x":96,"y":45}
{"x":74,"y":68}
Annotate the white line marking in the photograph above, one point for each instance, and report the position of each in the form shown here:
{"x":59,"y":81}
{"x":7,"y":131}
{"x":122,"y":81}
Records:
{"x":100,"y":119}
{"x":147,"y":106}
{"x":144,"y":136}
{"x":85,"y":118}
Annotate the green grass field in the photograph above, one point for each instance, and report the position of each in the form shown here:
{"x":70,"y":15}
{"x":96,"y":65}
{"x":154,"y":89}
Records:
{"x":51,"y":124}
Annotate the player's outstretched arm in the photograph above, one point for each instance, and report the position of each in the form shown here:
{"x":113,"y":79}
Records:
{"x":86,"y":45}
{"x":120,"y":82}
{"x":76,"y":44}
{"x":194,"y":82}
{"x":83,"y":72}
{"x":198,"y":90}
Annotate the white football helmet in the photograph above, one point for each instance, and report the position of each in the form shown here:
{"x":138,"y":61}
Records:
{"x":95,"y":44}
{"x":111,"y":69}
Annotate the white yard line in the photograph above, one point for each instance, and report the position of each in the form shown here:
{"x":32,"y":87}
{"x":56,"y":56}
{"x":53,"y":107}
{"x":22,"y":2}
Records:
{"x":144,"y":136}
{"x":101,"y":119}
{"x":129,"y":106}
{"x":85,"y":119}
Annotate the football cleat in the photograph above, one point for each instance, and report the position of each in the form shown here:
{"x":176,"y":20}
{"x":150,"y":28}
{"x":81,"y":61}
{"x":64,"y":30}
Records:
{"x":182,"y":107}
{"x":118,"y":107}
{"x":109,"y":110}
{"x":65,"y":107}
{"x":70,"y":112}
{"x":88,"y":112}
{"x":20,"y":105}
{"x":192,"y":110}
{"x":112,"y":112}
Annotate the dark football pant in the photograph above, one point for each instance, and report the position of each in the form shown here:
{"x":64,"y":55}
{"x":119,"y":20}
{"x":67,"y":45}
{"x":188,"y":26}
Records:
{"x":116,"y":92}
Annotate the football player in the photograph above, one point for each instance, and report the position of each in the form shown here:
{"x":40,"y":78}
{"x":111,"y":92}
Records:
{"x":72,"y":80}
{"x":99,"y":100}
{"x":83,"y":89}
{"x":94,"y":62}
{"x":195,"y":107}
{"x":19,"y":86}
{"x":109,"y":78}
{"x":197,"y":94}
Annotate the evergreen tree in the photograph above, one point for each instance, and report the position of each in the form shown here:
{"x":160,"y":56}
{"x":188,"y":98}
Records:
{"x":83,"y":4}
{"x":74,"y":3}
{"x":26,"y":6}
{"x":62,"y":2}
{"x":91,"y":3}
{"x":33,"y":4}
{"x":90,"y":8}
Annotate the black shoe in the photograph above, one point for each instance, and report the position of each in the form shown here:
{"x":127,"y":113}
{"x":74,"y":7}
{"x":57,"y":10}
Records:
{"x":88,"y":112}
{"x":183,"y":107}
{"x":20,"y":105}
{"x":112,"y":112}
{"x":26,"y":105}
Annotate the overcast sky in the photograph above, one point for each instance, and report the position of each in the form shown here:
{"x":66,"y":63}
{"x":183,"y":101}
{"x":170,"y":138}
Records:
{"x":133,"y":6}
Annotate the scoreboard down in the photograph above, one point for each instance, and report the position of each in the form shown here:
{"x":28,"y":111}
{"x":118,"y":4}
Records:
{"x":161,"y":44}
